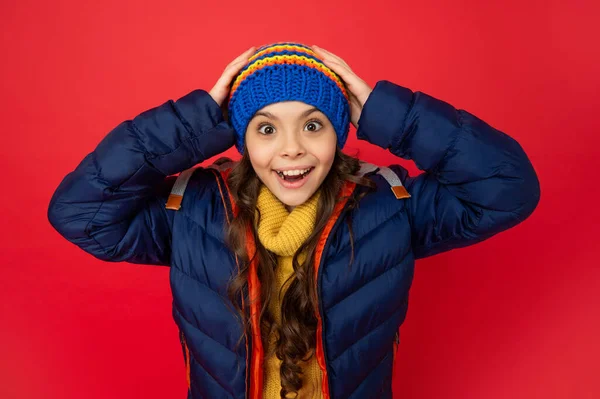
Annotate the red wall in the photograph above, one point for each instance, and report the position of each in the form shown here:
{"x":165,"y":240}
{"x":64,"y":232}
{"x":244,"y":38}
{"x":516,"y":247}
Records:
{"x":513,"y":317}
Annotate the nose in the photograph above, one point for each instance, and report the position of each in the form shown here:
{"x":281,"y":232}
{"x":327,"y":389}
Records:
{"x":292,"y":146}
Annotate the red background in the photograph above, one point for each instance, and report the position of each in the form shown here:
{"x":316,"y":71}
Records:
{"x":513,"y":317}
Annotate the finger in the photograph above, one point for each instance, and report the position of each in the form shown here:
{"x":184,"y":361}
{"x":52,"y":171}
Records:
{"x":330,"y":54}
{"x":328,"y":58}
{"x":226,"y":80}
{"x":237,"y":65}
{"x":245,"y":53}
{"x":344,"y":72}
{"x":234,"y":68}
{"x":242,"y":56}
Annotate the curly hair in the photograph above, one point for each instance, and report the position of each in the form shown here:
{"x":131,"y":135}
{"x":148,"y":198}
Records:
{"x":297,"y":332}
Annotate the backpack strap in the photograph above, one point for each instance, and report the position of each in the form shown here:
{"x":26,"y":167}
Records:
{"x":176,"y":195}
{"x":389,"y":175}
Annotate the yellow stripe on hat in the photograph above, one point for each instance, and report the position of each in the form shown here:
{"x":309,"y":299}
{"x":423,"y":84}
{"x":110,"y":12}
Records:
{"x":286,"y":59}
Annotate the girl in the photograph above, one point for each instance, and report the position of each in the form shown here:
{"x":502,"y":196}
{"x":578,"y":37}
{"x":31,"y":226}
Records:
{"x":290,"y":269}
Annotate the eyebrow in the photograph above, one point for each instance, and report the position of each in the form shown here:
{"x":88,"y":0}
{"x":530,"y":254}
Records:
{"x":270,"y":115}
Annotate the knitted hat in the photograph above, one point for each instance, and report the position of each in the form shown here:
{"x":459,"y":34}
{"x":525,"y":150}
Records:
{"x":286,"y":71}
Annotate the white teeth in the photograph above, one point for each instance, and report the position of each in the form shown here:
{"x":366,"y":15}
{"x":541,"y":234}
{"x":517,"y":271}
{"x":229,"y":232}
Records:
{"x":294,"y":172}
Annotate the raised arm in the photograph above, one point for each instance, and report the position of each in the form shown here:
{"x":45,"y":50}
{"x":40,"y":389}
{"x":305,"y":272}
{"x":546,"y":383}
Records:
{"x":113,"y":204}
{"x":478,"y":181}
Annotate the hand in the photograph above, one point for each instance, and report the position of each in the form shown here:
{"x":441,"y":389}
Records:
{"x":220,"y":91}
{"x":358,"y":89}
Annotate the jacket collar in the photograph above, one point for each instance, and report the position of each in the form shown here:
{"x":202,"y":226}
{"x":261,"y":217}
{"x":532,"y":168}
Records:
{"x":256,"y":357}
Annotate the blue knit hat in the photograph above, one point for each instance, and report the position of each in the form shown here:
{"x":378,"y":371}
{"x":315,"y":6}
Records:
{"x":286,"y":71}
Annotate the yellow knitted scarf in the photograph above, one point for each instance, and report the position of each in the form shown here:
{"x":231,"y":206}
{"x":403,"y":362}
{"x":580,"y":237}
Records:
{"x":282,"y":232}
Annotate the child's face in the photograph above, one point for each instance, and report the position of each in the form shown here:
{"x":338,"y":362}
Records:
{"x":291,"y":137}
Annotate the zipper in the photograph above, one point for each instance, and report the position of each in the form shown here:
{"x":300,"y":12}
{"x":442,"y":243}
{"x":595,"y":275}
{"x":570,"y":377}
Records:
{"x":350,"y":188}
{"x":395,"y":344}
{"x":395,"y":349}
{"x":186,"y":357}
{"x":320,"y":293}
{"x":249,"y":350}
{"x":229,"y":212}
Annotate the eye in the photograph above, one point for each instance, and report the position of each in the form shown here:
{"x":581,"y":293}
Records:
{"x":312,"y":122}
{"x":264,"y":125}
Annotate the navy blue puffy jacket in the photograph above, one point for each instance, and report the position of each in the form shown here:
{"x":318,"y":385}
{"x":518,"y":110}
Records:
{"x":478,"y":182}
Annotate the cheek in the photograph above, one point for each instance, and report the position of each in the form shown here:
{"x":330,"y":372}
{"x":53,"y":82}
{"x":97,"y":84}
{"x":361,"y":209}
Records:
{"x":325,"y":150}
{"x":258,"y":154}
{"x":259,"y":161}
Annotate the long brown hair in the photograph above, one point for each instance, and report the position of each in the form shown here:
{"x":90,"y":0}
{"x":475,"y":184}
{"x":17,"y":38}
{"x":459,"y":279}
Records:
{"x":297,"y":332}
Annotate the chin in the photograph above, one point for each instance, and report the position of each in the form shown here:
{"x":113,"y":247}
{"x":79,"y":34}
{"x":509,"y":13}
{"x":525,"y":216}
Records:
{"x":292,"y":197}
{"x":296,"y":200}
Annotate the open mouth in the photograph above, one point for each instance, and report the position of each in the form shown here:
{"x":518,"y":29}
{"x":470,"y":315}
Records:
{"x":294,"y":178}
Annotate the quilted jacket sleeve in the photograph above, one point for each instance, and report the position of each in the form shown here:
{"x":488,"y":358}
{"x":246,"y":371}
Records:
{"x":113,"y":204}
{"x":478,"y":181}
